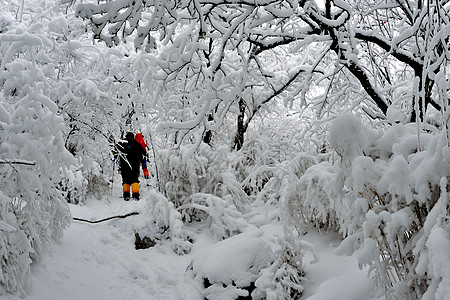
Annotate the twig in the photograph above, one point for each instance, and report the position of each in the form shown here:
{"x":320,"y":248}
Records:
{"x":16,"y":162}
{"x":106,"y":219}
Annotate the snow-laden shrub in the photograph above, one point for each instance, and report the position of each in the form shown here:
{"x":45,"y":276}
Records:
{"x":383,"y":193}
{"x":84,"y":180}
{"x":347,"y":137}
{"x":255,"y":163}
{"x":97,"y":184}
{"x":220,"y":215}
{"x":203,"y":185}
{"x":283,"y":278}
{"x":15,"y":250}
{"x":5,"y":21}
{"x":398,"y":192}
{"x":32,"y":156}
{"x":282,"y":176}
{"x":432,"y":249}
{"x":228,"y":269}
{"x":160,"y":220}
{"x":316,"y":199}
{"x":74,"y":185}
{"x":261,"y":162}
{"x":185,"y":172}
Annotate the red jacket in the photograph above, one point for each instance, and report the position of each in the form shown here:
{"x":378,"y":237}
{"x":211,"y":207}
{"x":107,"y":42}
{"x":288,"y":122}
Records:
{"x":140,"y":139}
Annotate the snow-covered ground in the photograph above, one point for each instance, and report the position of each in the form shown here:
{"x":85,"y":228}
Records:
{"x":99,"y":261}
{"x":334,"y":277}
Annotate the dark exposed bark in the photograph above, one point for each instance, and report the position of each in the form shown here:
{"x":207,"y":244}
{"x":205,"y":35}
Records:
{"x":241,"y":128}
{"x":404,"y":57}
{"x":207,"y":136}
{"x":242,"y":124}
{"x":106,"y":219}
{"x":413,"y":62}
{"x":367,"y":85}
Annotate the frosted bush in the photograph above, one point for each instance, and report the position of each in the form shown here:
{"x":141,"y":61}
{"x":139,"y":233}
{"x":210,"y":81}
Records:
{"x":256,"y":163}
{"x":433,"y":249}
{"x":185,"y":172}
{"x":32,"y":154}
{"x":83,"y":180}
{"x":228,"y":269}
{"x":160,"y":220}
{"x":284,"y":177}
{"x":283,"y":278}
{"x":347,"y":137}
{"x":32,"y":135}
{"x":74,"y":185}
{"x":407,"y":192}
{"x":220,"y":215}
{"x":96,"y":181}
{"x":382,"y":195}
{"x":15,"y":251}
{"x":262,"y":163}
{"x":316,"y":200}
{"x":5,"y":21}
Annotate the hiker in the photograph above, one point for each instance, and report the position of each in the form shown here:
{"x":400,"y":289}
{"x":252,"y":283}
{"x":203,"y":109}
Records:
{"x":140,"y":139}
{"x":130,"y":159}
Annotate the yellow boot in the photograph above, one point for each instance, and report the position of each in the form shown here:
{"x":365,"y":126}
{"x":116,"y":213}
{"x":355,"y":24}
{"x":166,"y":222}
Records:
{"x":126,"y":191}
{"x":135,"y":190}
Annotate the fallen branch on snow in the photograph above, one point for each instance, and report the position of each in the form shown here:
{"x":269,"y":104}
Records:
{"x":106,"y":219}
{"x":16,"y":162}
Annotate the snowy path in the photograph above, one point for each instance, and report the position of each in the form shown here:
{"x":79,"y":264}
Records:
{"x":334,"y":277}
{"x":99,"y":262}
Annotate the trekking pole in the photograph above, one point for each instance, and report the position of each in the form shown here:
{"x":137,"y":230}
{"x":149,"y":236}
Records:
{"x":112,"y":179}
{"x":116,"y":154}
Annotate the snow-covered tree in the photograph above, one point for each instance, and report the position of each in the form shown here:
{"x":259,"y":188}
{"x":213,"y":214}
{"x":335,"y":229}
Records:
{"x":264,"y":78}
{"x":33,"y":159}
{"x":243,"y":55}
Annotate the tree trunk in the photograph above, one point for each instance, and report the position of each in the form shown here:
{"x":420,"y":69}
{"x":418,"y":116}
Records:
{"x":207,"y":137}
{"x":240,"y":132}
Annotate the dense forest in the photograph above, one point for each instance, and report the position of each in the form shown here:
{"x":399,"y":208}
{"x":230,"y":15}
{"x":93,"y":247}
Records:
{"x":331,"y":113}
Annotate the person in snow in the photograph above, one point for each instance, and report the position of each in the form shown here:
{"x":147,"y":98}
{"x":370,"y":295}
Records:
{"x":129,"y":162}
{"x":140,"y":139}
